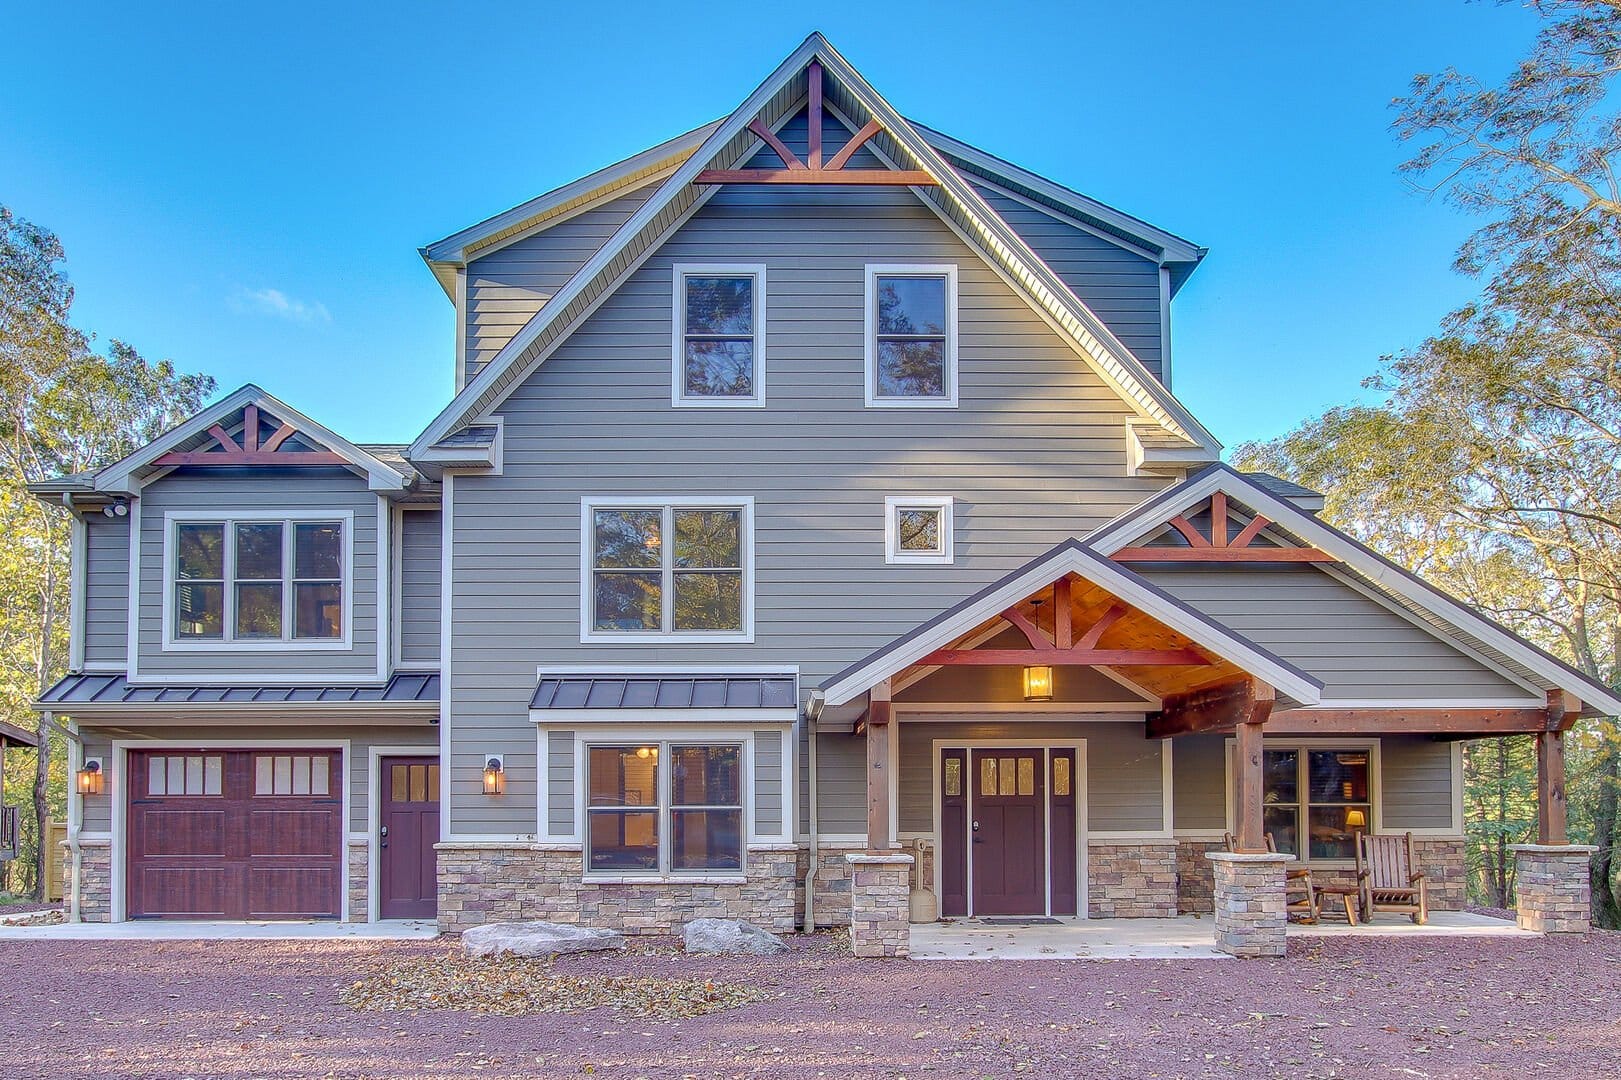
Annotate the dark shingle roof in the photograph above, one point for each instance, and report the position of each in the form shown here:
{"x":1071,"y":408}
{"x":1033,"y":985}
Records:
{"x":665,"y":692}
{"x":403,"y":688}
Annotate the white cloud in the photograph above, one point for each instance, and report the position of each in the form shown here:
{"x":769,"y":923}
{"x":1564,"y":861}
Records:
{"x":278,"y":304}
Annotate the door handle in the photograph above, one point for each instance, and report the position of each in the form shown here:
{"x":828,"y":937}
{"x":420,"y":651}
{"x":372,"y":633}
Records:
{"x":382,"y":834}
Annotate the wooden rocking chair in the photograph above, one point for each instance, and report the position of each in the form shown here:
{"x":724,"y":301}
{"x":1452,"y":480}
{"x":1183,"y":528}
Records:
{"x":1300,"y":899}
{"x":1388,"y":875}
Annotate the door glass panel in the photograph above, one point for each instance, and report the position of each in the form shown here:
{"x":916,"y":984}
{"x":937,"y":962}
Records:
{"x":177,"y":775}
{"x":433,"y":783}
{"x":320,"y":775}
{"x":301,"y":775}
{"x":953,"y":776}
{"x":1061,"y":780}
{"x":284,"y":775}
{"x":213,"y":768}
{"x":987,"y":776}
{"x":154,"y":776}
{"x":1027,"y":776}
{"x":1008,"y":776}
{"x":262,"y":784}
{"x":398,"y":785}
{"x":419,"y":783}
{"x":194,"y":775}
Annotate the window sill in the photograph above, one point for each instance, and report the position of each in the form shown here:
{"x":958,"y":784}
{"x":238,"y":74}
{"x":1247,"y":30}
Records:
{"x":664,"y":879}
{"x":718,"y":403}
{"x":911,"y":403}
{"x":306,"y":645}
{"x":684,"y":638}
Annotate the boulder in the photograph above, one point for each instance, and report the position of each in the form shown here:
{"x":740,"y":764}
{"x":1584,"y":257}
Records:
{"x":730,"y":936}
{"x":537,"y":939}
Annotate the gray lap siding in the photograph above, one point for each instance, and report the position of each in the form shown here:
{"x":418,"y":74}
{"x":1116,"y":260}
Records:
{"x":1034,"y":455}
{"x":106,"y":592}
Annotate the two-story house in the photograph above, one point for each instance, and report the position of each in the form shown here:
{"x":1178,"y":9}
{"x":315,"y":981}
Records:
{"x":814,"y":485}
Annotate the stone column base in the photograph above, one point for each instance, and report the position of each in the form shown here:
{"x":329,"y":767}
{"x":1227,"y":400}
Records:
{"x":1251,"y":913}
{"x":359,"y":881}
{"x":880,"y":905}
{"x":1551,"y":887}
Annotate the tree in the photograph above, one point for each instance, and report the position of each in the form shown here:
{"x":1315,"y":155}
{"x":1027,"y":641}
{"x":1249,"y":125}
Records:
{"x":64,"y":408}
{"x":1493,"y":465}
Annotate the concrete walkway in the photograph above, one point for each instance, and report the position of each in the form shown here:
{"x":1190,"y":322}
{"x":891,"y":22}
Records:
{"x":165,"y":930}
{"x":1182,"y":938}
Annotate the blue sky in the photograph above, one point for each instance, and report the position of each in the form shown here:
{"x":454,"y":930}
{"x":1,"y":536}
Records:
{"x":243,"y":188}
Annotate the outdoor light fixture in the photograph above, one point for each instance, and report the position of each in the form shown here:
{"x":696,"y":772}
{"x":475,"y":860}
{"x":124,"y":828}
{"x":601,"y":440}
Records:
{"x":116,"y":508}
{"x":1038,"y":683}
{"x":89,"y":778}
{"x":495,"y":775}
{"x":1356,"y":819}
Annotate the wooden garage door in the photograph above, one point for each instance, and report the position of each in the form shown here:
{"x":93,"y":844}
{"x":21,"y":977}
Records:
{"x":235,"y":834}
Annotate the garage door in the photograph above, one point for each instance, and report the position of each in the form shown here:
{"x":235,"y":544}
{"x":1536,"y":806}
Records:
{"x":235,"y":834}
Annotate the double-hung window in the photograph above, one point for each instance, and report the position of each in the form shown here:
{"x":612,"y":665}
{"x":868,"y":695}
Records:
{"x":911,"y":323}
{"x":1316,"y":799}
{"x":719,"y":342}
{"x":259,"y":580}
{"x":679,"y":569}
{"x":665,"y":808}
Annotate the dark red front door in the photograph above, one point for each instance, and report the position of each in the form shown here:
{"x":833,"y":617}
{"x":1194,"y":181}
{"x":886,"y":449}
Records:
{"x":408,"y":830}
{"x":235,"y":834}
{"x":1009,"y":832}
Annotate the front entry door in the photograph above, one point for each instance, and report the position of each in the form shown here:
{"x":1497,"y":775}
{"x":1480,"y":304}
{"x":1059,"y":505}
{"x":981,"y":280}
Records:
{"x":1008,"y":830}
{"x":407,"y":830}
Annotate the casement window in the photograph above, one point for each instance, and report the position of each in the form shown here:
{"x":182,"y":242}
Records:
{"x":911,"y":322}
{"x":667,"y":570}
{"x":1316,"y":799}
{"x":257,"y":581}
{"x":664,"y":808}
{"x":719,"y":345}
{"x":918,"y":529}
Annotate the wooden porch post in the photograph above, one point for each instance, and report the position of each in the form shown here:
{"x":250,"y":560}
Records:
{"x":878,"y":769}
{"x":1248,"y":774}
{"x":1551,"y":817}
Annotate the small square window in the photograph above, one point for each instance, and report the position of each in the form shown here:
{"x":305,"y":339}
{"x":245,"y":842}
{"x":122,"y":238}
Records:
{"x":918,"y":529}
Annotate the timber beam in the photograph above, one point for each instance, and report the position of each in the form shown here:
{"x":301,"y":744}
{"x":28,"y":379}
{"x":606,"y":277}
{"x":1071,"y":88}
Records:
{"x":1398,"y":721}
{"x":1211,"y":709}
{"x":878,"y":769}
{"x":1249,"y":773}
{"x":1552,"y":825}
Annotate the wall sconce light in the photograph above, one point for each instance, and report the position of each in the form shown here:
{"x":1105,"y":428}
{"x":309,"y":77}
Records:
{"x":1356,"y":819}
{"x":495,"y":775}
{"x":1038,"y":683}
{"x":89,"y":778}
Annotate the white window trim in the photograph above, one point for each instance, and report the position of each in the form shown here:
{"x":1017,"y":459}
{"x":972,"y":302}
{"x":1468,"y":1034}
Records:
{"x":172,"y":519}
{"x":869,"y":336}
{"x":588,"y":632}
{"x":893,"y":504}
{"x":663,"y":738}
{"x":678,"y":324}
{"x":1376,"y":808}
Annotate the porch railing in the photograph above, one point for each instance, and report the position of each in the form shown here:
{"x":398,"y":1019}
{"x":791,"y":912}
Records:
{"x":8,"y":833}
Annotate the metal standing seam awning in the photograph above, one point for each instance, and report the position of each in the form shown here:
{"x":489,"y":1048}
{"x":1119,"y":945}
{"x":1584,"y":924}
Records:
{"x":99,"y":691}
{"x":741,"y":697}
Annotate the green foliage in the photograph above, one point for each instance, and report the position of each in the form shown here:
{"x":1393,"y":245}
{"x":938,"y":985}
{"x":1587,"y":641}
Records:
{"x":64,"y":408}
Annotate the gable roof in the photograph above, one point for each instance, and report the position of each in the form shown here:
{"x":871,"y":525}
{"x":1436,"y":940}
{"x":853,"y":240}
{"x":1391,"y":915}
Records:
{"x":1070,"y":557}
{"x":120,"y":477}
{"x":1445,"y":615}
{"x":727,"y":146}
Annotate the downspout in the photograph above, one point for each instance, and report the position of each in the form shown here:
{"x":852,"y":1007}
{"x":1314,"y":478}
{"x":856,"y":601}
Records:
{"x":813,"y":709}
{"x":75,"y":807}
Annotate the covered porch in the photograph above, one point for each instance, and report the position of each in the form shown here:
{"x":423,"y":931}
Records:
{"x":1019,"y":757}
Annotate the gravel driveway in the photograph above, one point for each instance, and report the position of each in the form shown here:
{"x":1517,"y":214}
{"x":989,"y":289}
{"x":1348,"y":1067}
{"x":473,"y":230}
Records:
{"x":1357,"y":1008}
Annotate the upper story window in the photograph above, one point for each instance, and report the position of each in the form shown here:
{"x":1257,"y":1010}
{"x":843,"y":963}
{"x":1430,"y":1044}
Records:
{"x":668,"y":569}
{"x":257,"y":581}
{"x":918,"y":529}
{"x":719,"y":336}
{"x":911,"y":336}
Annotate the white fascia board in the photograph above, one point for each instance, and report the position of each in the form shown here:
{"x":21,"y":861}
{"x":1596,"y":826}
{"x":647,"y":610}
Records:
{"x":998,"y":243}
{"x":119,"y":477}
{"x":472,"y":397}
{"x":1366,"y":562}
{"x":453,"y":248}
{"x":1138,"y":593}
{"x":1174,"y":248}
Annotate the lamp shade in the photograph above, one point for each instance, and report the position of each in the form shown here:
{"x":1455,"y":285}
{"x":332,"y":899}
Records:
{"x":1038,"y":683}
{"x":1355,"y":819}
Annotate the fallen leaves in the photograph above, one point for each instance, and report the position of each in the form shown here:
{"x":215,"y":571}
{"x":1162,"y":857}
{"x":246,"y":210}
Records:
{"x":511,"y":986}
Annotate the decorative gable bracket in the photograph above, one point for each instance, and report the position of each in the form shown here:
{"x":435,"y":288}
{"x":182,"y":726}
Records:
{"x":250,"y":451}
{"x":1218,"y":546}
{"x":813,"y":171}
